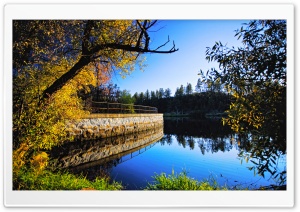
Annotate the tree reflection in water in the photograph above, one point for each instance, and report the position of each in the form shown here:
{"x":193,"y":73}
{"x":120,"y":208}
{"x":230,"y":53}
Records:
{"x":209,"y":135}
{"x":266,"y":156}
{"x":265,"y":153}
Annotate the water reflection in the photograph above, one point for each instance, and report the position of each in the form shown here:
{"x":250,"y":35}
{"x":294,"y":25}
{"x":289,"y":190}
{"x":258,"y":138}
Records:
{"x":266,"y":156}
{"x":101,"y":151}
{"x":201,"y":147}
{"x":208,"y":134}
{"x":206,"y":128}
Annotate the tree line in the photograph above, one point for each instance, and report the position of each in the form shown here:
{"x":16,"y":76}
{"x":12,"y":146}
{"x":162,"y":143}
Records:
{"x":206,"y":98}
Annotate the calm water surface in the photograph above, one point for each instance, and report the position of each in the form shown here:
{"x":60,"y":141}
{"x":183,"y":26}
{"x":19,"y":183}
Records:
{"x":202,"y":148}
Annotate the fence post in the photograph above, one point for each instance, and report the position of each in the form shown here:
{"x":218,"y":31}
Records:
{"x":107,"y":107}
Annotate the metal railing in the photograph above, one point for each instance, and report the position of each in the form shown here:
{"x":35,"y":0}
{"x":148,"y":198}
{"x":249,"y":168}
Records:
{"x":107,"y":107}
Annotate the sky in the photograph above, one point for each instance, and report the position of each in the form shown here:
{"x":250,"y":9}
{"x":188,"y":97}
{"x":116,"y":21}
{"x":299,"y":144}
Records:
{"x":182,"y":67}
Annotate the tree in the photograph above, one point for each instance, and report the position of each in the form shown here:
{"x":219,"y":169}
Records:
{"x":179,"y":91}
{"x":255,"y":74}
{"x":37,"y":127}
{"x":213,"y":84}
{"x":168,"y":93}
{"x":188,"y":89}
{"x":153,"y":96}
{"x":102,"y":73}
{"x":141,"y":98}
{"x":120,"y":42}
{"x":136,"y":97}
{"x":198,"y":87}
{"x":125,"y":97}
{"x":147,"y":96}
{"x":161,"y":93}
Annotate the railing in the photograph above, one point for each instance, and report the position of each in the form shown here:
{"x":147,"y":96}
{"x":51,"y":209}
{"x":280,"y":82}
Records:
{"x":106,"y":107}
{"x":135,"y":153}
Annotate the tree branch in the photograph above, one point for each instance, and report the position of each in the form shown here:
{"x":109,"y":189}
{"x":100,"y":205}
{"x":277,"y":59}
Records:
{"x":86,"y":36}
{"x":165,"y":44}
{"x":132,"y":48}
{"x":89,"y":53}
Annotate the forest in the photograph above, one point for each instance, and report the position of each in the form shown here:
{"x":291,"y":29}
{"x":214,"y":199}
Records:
{"x":206,"y":100}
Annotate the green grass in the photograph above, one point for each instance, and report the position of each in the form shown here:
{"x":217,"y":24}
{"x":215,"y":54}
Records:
{"x":47,"y":180}
{"x":27,"y":179}
{"x":182,"y":182}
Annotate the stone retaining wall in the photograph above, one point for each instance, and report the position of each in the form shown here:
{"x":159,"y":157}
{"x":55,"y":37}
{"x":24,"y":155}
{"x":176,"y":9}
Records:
{"x":107,"y":125}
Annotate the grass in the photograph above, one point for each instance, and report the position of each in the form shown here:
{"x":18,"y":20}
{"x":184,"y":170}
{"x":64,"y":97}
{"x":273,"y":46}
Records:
{"x":182,"y":182}
{"x":28,"y":179}
{"x":47,"y":180}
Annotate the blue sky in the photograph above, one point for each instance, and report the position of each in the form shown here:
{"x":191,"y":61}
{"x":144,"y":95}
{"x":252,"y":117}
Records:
{"x":182,"y":67}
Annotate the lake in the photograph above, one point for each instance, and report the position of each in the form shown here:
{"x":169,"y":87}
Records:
{"x":203,"y":148}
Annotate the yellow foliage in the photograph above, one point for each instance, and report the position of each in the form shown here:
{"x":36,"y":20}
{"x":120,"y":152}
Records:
{"x":19,"y":158}
{"x":41,"y":125}
{"x":243,"y":114}
{"x":40,"y":161}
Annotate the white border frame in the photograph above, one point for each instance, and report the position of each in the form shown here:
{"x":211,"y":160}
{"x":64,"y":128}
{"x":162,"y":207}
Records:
{"x":146,"y":198}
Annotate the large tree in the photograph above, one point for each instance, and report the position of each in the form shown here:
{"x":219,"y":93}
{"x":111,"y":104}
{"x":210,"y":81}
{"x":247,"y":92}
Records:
{"x":255,"y":74}
{"x":118,"y":42}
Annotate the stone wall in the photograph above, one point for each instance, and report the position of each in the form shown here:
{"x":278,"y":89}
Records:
{"x":108,"y":125}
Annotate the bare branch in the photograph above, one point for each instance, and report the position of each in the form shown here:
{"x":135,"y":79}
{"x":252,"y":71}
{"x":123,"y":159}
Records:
{"x":165,"y":43}
{"x":151,"y":24}
{"x":131,"y":48}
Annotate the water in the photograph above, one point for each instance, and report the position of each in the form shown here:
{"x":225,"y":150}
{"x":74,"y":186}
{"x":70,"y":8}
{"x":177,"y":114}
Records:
{"x":203,"y":148}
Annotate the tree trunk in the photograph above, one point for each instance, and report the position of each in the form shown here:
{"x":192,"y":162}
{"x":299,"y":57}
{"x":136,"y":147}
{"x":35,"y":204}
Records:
{"x":58,"y":84}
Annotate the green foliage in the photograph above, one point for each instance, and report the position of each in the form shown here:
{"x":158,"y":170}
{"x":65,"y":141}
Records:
{"x":181,"y":181}
{"x":255,"y":75}
{"x":29,"y":179}
{"x":125,"y":97}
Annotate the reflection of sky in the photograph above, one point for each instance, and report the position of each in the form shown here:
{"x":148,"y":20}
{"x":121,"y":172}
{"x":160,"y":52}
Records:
{"x":225,"y":166}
